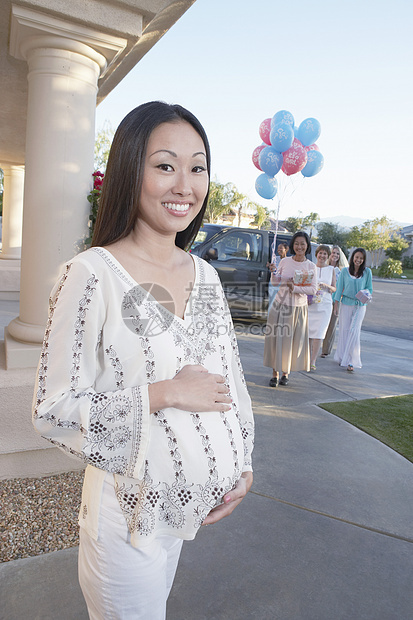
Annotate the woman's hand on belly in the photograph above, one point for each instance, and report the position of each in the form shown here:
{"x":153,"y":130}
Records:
{"x":192,"y":389}
{"x":231,"y":499}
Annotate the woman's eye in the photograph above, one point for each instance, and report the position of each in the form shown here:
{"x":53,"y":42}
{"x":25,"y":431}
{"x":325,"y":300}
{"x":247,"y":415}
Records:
{"x":165,"y":167}
{"x":198,"y":169}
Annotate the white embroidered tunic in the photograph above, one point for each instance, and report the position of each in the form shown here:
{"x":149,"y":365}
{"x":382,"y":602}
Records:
{"x":106,"y":340}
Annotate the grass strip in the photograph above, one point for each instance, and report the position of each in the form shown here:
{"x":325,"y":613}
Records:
{"x":406,"y":272}
{"x":390,"y":420}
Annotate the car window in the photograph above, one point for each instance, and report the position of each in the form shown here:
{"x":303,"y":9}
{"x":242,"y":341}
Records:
{"x":280,"y":239}
{"x":203,"y":235}
{"x":240,"y":245}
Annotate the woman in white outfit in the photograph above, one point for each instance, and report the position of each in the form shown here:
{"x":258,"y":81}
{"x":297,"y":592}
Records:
{"x":338,"y":260}
{"x":351,"y":310}
{"x":320,"y":305}
{"x":140,"y":375}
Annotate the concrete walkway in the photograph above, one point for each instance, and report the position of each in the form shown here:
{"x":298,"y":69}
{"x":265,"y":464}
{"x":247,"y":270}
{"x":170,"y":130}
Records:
{"x":325,"y":534}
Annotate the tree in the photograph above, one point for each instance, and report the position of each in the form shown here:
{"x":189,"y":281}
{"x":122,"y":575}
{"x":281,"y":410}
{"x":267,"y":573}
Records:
{"x":262,"y":217}
{"x":103,"y":142}
{"x":374,"y":235}
{"x":396,"y":248}
{"x":222,"y":198}
{"x":332,"y":234}
{"x":310,"y":221}
{"x":302,"y":222}
{"x":293,"y":224}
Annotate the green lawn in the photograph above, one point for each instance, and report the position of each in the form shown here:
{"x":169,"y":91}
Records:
{"x":388,"y":419}
{"x":406,"y":272}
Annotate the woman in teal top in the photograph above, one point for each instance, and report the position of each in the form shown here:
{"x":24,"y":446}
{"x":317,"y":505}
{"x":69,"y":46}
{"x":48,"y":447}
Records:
{"x":353,"y":279}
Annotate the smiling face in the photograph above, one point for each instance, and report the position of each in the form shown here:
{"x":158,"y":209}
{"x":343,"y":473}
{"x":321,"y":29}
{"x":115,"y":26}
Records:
{"x":300,"y":247}
{"x":358,"y":260}
{"x":322,"y":257}
{"x":175,"y":178}
{"x":335,"y":256}
{"x":282,"y":251}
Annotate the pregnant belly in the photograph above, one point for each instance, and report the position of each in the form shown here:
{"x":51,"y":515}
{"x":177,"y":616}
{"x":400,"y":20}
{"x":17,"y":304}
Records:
{"x":196,"y":448}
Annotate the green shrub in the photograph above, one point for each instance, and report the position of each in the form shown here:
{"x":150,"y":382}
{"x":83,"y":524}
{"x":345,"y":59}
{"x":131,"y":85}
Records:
{"x":390,"y":268}
{"x":407,"y":262}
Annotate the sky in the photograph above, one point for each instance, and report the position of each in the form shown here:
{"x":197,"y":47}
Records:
{"x":348,"y":64}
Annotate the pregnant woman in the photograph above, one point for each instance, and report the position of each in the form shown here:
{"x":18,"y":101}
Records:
{"x":140,"y":375}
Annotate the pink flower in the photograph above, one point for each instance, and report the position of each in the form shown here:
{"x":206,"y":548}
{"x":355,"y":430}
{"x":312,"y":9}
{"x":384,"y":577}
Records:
{"x":98,"y":180}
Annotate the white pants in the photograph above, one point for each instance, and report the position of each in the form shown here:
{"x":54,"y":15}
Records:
{"x":118,"y":581}
{"x":349,"y":328}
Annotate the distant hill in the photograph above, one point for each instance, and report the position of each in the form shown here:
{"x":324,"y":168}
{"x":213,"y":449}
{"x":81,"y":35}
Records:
{"x":346,"y":221}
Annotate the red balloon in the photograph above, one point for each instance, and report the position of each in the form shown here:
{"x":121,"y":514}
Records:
{"x":256,"y":154}
{"x":312,"y":147}
{"x":294,"y":159}
{"x":265,"y":130}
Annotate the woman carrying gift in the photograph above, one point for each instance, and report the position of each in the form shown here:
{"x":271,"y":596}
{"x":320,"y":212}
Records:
{"x":286,"y":340}
{"x":319,"y":312}
{"x":337,"y":260}
{"x":354,"y":290}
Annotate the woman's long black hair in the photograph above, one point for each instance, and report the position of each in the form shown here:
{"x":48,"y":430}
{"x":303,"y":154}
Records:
{"x":362,"y":266}
{"x":121,"y":189}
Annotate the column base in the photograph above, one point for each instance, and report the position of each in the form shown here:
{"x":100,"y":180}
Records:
{"x":9,"y":278}
{"x":20,"y":354}
{"x":11,"y":255}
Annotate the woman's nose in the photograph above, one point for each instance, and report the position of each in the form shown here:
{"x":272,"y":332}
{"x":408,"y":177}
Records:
{"x":182,"y":184}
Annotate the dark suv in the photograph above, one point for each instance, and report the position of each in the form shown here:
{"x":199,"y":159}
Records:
{"x":240,"y":256}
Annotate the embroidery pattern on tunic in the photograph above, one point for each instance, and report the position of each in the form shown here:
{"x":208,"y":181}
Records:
{"x":115,"y":361}
{"x":105,"y":435}
{"x":212,"y":493}
{"x":42,"y":377}
{"x":247,"y":429}
{"x":44,"y":357}
{"x":224,"y":417}
{"x":108,"y":430}
{"x":112,"y":265}
{"x":146,"y":503}
{"x":114,"y":436}
{"x":149,"y":360}
{"x":79,"y":331}
{"x":207,"y":318}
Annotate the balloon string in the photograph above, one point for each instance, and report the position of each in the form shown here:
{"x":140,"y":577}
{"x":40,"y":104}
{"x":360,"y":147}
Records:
{"x":286,"y":189}
{"x":277,"y":214}
{"x":296,"y":186}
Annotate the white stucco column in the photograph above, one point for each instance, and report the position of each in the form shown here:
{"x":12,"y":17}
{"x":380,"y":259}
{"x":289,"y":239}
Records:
{"x":59,"y":162}
{"x":12,"y":211}
{"x":64,"y":62}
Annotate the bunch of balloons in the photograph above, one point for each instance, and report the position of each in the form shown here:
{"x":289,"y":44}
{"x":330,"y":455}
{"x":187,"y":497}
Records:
{"x":288,"y":148}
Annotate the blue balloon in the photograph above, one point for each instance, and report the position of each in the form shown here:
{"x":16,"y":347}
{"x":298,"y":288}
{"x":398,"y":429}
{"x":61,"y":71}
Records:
{"x":282,"y":137}
{"x":315,"y":163}
{"x":309,"y":131}
{"x":295,"y":131}
{"x":270,"y":161}
{"x":266,"y":186}
{"x":283,"y":116}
